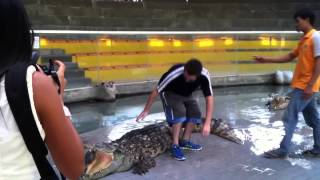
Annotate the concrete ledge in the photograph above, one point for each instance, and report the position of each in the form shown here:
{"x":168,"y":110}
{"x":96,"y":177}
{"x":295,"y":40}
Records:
{"x":88,"y":93}
{"x":246,"y":79}
{"x":79,"y":94}
{"x":133,"y":88}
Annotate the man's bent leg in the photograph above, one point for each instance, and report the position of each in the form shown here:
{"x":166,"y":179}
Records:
{"x":188,"y":131}
{"x":290,"y":118}
{"x":175,"y":114}
{"x":175,"y":149}
{"x":312,"y":118}
{"x":176,"y":133}
{"x":193,"y":117}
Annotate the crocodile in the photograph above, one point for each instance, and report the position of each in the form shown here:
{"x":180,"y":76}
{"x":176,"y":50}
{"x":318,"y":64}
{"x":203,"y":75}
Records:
{"x":137,"y":149}
{"x":278,"y":102}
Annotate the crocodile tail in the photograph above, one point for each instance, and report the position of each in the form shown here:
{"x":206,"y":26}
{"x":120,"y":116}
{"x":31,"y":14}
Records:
{"x":197,"y":129}
{"x":231,"y":136}
{"x":222,"y":129}
{"x":219,"y":126}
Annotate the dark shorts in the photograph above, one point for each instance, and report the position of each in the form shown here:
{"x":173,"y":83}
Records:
{"x":180,"y":109}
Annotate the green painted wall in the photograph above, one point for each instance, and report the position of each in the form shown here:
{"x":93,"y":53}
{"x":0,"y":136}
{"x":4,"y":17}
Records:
{"x":166,"y":14}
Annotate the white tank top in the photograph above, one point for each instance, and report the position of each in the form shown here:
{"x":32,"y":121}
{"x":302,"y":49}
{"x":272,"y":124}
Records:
{"x":16,"y":162}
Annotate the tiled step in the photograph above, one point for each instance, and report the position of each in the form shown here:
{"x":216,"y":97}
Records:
{"x":48,"y":52}
{"x":71,"y":65}
{"x":64,"y":58}
{"x":73,"y":73}
{"x":78,"y":82}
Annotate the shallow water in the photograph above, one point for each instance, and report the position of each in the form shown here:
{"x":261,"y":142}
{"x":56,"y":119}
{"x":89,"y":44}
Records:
{"x":232,"y":103}
{"x":243,"y":107}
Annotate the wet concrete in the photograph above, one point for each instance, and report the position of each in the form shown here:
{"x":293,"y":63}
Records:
{"x":244,"y":108}
{"x":229,"y":102}
{"x":223,"y":160}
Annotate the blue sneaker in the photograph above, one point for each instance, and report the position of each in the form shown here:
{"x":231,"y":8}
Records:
{"x":177,"y":153}
{"x":190,"y":146}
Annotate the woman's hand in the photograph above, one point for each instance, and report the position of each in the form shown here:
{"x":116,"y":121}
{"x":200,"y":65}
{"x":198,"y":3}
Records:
{"x":60,"y":72}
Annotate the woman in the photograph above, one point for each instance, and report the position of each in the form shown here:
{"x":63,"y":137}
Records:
{"x":54,"y":126}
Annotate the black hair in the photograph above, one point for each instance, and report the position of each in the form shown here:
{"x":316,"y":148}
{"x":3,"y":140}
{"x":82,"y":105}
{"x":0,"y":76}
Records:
{"x":16,"y":35}
{"x":306,"y":13}
{"x":193,"y":67}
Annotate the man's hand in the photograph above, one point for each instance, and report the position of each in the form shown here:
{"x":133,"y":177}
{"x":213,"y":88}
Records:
{"x":260,"y":59}
{"x":206,"y":128}
{"x":142,"y":115}
{"x":147,"y":107}
{"x":307,"y":93}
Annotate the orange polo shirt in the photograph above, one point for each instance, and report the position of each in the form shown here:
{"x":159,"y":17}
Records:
{"x":308,"y":49}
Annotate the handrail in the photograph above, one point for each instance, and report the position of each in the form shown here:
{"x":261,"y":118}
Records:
{"x":160,"y":32}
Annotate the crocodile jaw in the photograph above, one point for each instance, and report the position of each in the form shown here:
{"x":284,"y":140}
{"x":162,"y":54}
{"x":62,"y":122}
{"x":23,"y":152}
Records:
{"x":102,"y":161}
{"x":105,"y":163}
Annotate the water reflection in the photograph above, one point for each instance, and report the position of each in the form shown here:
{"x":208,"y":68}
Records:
{"x":229,"y":102}
{"x":267,"y":171}
{"x":243,"y":107}
{"x":131,"y":124}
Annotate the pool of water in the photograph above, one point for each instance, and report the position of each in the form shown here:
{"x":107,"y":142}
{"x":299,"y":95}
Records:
{"x":243,"y":107}
{"x":232,"y":103}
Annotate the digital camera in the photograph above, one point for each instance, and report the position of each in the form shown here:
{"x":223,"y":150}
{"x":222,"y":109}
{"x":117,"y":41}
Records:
{"x":49,"y":69}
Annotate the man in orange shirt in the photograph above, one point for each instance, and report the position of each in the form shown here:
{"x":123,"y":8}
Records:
{"x":305,"y":84}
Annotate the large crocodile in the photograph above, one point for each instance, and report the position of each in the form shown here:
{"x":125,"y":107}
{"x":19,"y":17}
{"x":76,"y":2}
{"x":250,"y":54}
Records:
{"x":137,"y":149}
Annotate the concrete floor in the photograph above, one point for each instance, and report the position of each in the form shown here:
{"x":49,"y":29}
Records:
{"x":222,"y":160}
{"x":244,"y":108}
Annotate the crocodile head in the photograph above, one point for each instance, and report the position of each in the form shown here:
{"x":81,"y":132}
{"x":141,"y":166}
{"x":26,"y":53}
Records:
{"x":100,"y":163}
{"x":278,"y":102}
{"x":136,"y":149}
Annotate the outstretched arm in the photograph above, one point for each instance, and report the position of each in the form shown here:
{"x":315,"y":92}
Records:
{"x":148,"y":105}
{"x":282,"y":59}
{"x":209,"y":110}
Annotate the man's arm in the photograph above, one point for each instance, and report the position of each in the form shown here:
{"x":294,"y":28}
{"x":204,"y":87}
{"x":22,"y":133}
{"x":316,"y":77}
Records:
{"x":282,"y":59}
{"x":308,"y":92}
{"x":209,"y":110}
{"x":148,"y":105}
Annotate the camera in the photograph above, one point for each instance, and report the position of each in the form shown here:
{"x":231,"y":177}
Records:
{"x":49,"y":69}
